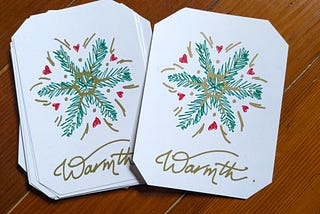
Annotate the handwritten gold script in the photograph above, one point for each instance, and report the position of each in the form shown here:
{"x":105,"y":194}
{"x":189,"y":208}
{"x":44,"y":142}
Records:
{"x":180,"y":162}
{"x":78,"y":166}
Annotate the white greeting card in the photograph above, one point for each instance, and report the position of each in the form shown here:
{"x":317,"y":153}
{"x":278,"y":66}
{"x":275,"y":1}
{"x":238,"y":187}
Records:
{"x":79,"y":76}
{"x":211,"y":104}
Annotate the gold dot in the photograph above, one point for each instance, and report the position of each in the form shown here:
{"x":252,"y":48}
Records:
{"x":94,"y":110}
{"x":191,"y":93}
{"x":217,"y":61}
{"x":80,"y":59}
{"x":214,"y":114}
{"x":65,"y":76}
{"x":241,"y":76}
{"x":198,"y":71}
{"x":108,"y":90}
{"x":234,"y":101}
{"x":107,"y":64}
{"x":66,"y":99}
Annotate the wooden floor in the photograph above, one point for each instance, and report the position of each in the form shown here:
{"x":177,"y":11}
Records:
{"x":296,"y":182}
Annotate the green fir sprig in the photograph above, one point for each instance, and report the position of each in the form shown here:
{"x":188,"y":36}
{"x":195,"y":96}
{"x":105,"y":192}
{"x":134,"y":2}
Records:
{"x":215,"y":87}
{"x":86,"y":86}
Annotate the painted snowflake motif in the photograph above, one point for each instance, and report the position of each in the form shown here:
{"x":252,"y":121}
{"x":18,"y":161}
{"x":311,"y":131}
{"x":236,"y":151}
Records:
{"x":215,"y":89}
{"x":85,"y":86}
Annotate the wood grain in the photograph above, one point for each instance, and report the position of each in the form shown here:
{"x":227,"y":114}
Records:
{"x":297,"y":21}
{"x":296,"y":183}
{"x":14,"y":13}
{"x":13,"y":182}
{"x":133,"y":200}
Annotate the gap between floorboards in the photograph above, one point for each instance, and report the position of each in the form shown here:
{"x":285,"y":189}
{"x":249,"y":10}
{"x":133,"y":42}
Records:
{"x":175,"y":203}
{"x":20,"y":200}
{"x":302,"y":73}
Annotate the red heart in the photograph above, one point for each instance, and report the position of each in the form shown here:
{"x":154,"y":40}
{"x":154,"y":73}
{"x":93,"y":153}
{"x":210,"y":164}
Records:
{"x":76,"y":47}
{"x":250,"y":71}
{"x":120,"y":94}
{"x":46,"y":70}
{"x":245,"y":108}
{"x":181,"y":96}
{"x":219,"y":48}
{"x":56,"y":106}
{"x":113,"y":57}
{"x":183,"y":59}
{"x":96,"y":122}
{"x":213,"y":126}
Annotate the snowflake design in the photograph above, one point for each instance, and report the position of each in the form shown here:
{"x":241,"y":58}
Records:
{"x":86,"y":86}
{"x":215,"y":87}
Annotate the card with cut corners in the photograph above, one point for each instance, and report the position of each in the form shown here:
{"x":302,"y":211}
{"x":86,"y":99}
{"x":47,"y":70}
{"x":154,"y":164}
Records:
{"x":79,"y":76}
{"x":211,"y":104}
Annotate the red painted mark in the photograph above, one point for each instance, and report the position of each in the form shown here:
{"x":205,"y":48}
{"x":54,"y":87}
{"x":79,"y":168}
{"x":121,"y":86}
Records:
{"x":219,"y":48}
{"x":46,"y":70}
{"x":76,"y":47}
{"x":250,"y":71}
{"x":181,"y":96}
{"x":56,"y":106}
{"x":183,"y":59}
{"x":245,"y":108}
{"x":96,"y":122}
{"x":120,"y":94}
{"x":213,"y":126}
{"x":113,"y":57}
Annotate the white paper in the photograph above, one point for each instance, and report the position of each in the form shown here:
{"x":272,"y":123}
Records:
{"x":211,"y":105}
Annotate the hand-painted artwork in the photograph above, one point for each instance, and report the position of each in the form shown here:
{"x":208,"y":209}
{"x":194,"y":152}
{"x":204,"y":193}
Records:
{"x":215,"y":86}
{"x":86,"y":84}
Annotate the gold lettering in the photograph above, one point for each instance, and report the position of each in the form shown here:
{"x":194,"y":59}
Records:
{"x":123,"y":157}
{"x":189,"y":168}
{"x":228,"y":170}
{"x":88,"y":169}
{"x":179,"y":162}
{"x":78,"y":166}
{"x":173,"y":166}
{"x":108,"y":165}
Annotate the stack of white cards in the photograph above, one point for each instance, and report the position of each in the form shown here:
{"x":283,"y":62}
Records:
{"x":210,"y":109}
{"x":79,"y":76}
